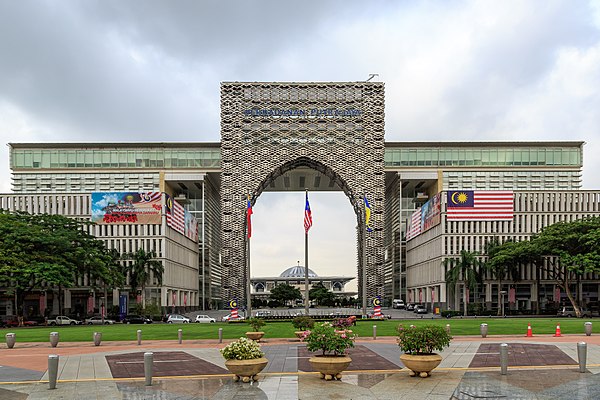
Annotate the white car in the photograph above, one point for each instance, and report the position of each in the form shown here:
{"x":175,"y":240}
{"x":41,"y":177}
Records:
{"x":204,"y":319}
{"x":228,"y":317}
{"x":177,"y":319}
{"x":98,"y":321}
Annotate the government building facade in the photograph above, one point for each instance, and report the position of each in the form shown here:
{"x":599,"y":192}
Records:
{"x":292,"y":137}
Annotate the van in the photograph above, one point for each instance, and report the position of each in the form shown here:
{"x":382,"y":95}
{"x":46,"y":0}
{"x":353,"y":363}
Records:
{"x":569,"y":311}
{"x":397,"y":303}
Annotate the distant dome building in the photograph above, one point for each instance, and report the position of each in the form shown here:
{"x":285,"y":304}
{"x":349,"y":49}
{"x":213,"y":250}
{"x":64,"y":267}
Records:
{"x":294,"y":276}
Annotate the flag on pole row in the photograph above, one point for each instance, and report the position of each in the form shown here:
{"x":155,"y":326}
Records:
{"x":248,"y":216}
{"x":414,"y":225}
{"x":367,"y":214}
{"x":307,"y":216}
{"x":479,"y":205}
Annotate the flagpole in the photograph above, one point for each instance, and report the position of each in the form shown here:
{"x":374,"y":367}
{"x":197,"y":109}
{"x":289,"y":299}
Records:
{"x":248,"y":284}
{"x":306,"y":299}
{"x":364,"y":266}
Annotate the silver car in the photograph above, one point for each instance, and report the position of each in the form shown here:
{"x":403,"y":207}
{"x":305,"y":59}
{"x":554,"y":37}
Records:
{"x":98,"y":321}
{"x":177,"y":319}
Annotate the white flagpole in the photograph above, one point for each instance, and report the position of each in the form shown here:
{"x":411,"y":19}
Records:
{"x":306,"y":299}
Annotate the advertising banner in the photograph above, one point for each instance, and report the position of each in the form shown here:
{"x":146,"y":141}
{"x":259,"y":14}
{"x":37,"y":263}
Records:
{"x":181,"y":219}
{"x":126,"y":207}
{"x":431,"y":212}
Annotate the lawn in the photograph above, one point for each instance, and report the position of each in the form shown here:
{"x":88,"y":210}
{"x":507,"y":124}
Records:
{"x":118,"y":332}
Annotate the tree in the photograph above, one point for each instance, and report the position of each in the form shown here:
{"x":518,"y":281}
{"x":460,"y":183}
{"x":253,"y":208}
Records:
{"x":464,"y":269}
{"x":503,"y":261}
{"x":49,"y":250}
{"x":321,"y":295}
{"x":283,"y":293}
{"x":143,"y":265}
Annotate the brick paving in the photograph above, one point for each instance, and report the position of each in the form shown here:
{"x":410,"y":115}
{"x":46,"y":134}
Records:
{"x":362,"y":359}
{"x":166,"y":363}
{"x":520,"y":354}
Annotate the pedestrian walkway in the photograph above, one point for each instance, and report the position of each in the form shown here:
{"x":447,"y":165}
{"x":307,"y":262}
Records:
{"x":542,"y":367}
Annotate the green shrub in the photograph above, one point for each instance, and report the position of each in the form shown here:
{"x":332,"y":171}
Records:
{"x":242,"y":349}
{"x":303,"y":323}
{"x":256,"y":323}
{"x":423,"y":339}
{"x":328,"y":340}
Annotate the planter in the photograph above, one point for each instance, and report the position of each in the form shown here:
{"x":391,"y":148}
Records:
{"x":421,"y":365}
{"x":255,"y":335}
{"x":246,"y":370}
{"x":330,"y":367}
{"x":299,"y":334}
{"x":10,"y":340}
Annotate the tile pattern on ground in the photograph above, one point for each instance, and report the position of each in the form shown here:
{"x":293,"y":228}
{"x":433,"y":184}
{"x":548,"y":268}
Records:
{"x":520,"y":354}
{"x":362,"y":359}
{"x":12,"y":374}
{"x":166,"y":363}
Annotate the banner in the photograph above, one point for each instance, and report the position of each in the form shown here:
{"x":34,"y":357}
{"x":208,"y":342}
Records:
{"x":431,"y":212}
{"x":480,"y":205}
{"x":180,"y":219}
{"x":126,"y":207}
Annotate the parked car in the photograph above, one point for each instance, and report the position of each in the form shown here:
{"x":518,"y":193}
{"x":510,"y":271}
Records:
{"x":420,"y":309}
{"x":62,"y":320}
{"x":14,"y":322}
{"x":398,"y":304}
{"x":417,"y":306}
{"x":410,"y":307}
{"x":263,"y":314}
{"x":136,"y":319}
{"x":227,"y":318}
{"x":177,"y":319}
{"x":204,"y":319}
{"x":569,"y":311}
{"x":98,"y":321}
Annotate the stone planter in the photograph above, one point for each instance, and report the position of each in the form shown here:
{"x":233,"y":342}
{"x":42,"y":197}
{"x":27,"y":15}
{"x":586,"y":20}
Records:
{"x":246,"y":370}
{"x":299,"y":334}
{"x":255,"y":335}
{"x":330,"y":367}
{"x":10,"y":340}
{"x":421,"y":365}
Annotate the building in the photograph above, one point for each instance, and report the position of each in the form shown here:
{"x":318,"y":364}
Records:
{"x":291,"y":136}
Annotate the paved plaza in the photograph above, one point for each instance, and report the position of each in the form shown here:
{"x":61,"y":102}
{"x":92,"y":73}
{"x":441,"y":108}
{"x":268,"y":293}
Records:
{"x":541,"y":367}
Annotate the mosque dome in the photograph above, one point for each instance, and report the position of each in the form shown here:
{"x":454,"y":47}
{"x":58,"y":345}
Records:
{"x":297,"y":271}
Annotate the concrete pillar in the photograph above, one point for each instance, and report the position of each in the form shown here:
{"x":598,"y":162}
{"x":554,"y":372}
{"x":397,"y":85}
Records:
{"x":67,"y":298}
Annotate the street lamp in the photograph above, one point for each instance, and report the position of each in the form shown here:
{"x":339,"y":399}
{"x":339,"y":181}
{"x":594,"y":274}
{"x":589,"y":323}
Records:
{"x":502,"y":293}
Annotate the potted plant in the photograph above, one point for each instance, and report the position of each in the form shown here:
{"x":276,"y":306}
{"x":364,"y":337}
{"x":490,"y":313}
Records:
{"x":256,"y":324}
{"x":302,"y":324}
{"x":333,"y":345}
{"x":419,"y":344}
{"x":244,"y":359}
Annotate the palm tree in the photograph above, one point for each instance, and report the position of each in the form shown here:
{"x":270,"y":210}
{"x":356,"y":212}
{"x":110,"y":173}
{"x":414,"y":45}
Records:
{"x":502,"y":262}
{"x":144,"y":264}
{"x":464,"y":269}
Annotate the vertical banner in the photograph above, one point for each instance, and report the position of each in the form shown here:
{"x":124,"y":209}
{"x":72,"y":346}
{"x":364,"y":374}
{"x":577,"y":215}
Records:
{"x":122,"y":305}
{"x":557,"y":294}
{"x":512,"y":295}
{"x":90,"y":304}
{"x":42,"y":304}
{"x":420,"y":296}
{"x":377,"y":308}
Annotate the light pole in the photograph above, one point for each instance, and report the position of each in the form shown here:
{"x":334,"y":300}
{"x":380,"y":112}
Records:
{"x":502,"y":293}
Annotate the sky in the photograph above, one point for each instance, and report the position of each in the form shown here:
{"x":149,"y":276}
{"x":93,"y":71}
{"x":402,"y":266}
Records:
{"x":109,"y":71}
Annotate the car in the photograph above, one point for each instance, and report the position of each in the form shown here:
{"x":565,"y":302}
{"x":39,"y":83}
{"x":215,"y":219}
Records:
{"x":136,"y":319}
{"x":98,"y":321}
{"x":417,"y":306}
{"x":420,"y":309}
{"x":227,"y":318}
{"x":14,"y":322}
{"x":398,"y":304}
{"x":63,"y":320}
{"x":263,"y":314}
{"x":177,"y":319}
{"x":202,"y":319}
{"x":569,"y":311}
{"x":410,"y":307}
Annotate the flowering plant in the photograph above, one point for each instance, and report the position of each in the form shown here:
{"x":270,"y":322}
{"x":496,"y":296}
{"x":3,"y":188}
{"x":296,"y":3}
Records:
{"x":422,"y":339}
{"x":242,"y":349}
{"x":326,"y":338}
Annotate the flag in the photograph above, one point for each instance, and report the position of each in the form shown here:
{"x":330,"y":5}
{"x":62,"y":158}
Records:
{"x":307,"y":216}
{"x":367,"y":214}
{"x":477,"y":205}
{"x":176,"y":218}
{"x":249,"y":216}
{"x":414,"y":225}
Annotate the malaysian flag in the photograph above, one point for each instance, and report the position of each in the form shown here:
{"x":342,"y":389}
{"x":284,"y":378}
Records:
{"x":414,"y":225}
{"x":477,"y":205}
{"x":307,"y":216}
{"x":149,"y":197}
{"x":176,"y":219}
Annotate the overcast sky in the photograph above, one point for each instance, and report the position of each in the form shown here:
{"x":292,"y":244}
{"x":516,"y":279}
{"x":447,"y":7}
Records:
{"x":150,"y":71}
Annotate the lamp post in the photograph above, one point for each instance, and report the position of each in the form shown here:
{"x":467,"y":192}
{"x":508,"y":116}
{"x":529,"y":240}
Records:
{"x":502,"y":293}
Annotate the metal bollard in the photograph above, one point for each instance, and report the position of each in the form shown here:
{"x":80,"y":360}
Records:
{"x":588,"y":328}
{"x":448,"y":328}
{"x":54,"y":339}
{"x":139,"y":336}
{"x":10,"y":340}
{"x":97,"y":338}
{"x":582,"y":356}
{"x":52,"y":370}
{"x":180,"y":335}
{"x":483,"y":329}
{"x":148,"y":361}
{"x":374,"y":332}
{"x":220,"y":335}
{"x":503,"y":358}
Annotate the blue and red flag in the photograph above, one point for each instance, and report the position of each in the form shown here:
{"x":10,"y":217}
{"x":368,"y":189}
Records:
{"x":249,"y":216}
{"x":307,"y":216}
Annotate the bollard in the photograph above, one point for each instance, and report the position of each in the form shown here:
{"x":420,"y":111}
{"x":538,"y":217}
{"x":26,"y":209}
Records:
{"x":10,"y":340}
{"x":139,"y":336}
{"x":220,"y":335}
{"x":374,"y":332}
{"x":52,"y":370}
{"x":503,"y":358}
{"x":148,"y":360}
{"x":448,"y":328}
{"x":483,"y":329}
{"x":588,"y":328}
{"x":54,"y":339}
{"x":582,"y":355}
{"x":180,"y":335}
{"x":97,"y":338}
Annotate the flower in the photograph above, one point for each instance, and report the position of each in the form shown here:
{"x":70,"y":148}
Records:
{"x":330,"y":341}
{"x":422,"y":339}
{"x":242,"y":349}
